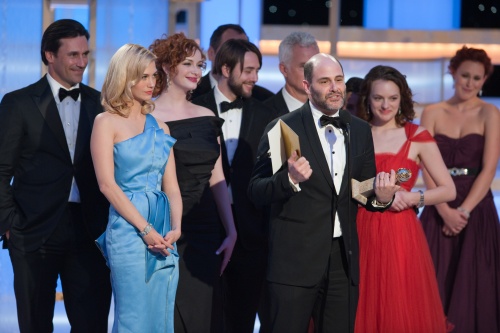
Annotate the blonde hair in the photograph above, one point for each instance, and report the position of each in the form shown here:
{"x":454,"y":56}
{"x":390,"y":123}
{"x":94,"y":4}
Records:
{"x":126,"y":68}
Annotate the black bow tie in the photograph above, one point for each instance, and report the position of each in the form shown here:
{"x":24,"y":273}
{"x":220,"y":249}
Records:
{"x":236,"y":104}
{"x":74,"y":93}
{"x":325,"y":120}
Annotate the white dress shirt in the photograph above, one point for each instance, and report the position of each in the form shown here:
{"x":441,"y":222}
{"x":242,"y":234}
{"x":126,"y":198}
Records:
{"x":213,"y":80}
{"x":291,"y":102}
{"x":69,"y":112}
{"x":332,"y":143}
{"x":230,"y":128}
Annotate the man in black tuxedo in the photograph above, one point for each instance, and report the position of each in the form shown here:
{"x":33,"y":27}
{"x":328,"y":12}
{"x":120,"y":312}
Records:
{"x":294,"y":51}
{"x":53,"y":210}
{"x":237,"y":64}
{"x":219,"y":37}
{"x":313,"y":267}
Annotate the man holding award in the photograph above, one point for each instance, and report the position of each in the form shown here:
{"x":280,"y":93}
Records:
{"x":313,"y":265}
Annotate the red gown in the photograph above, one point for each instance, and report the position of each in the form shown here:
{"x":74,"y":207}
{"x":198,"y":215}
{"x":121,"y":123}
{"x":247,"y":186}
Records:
{"x":398,"y":288}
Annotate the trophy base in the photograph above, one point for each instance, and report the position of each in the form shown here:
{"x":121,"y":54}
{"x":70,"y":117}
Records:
{"x":361,"y":191}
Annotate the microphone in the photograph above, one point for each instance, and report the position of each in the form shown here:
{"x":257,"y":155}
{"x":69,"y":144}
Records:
{"x":345,"y":119}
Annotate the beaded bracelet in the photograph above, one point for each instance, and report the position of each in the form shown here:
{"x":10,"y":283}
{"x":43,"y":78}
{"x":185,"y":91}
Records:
{"x":465,"y":211}
{"x":421,"y":201}
{"x":146,"y":230}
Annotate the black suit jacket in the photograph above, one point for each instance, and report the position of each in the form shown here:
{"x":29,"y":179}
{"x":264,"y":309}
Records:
{"x":251,"y":223}
{"x":258,"y":92}
{"x":301,"y":223}
{"x":277,"y":103}
{"x":34,"y":151}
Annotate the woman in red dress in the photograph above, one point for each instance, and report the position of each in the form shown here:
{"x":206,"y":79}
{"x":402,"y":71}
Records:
{"x":398,"y":289}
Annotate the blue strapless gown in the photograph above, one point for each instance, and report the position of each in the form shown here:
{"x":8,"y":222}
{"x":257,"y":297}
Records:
{"x":144,"y":283}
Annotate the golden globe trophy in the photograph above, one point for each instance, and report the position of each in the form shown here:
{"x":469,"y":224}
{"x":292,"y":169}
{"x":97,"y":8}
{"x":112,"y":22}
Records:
{"x":361,"y":191}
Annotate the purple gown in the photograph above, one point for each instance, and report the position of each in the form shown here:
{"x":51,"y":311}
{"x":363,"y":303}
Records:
{"x":467,"y":265}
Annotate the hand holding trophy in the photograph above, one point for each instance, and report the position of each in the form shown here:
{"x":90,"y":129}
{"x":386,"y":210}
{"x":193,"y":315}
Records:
{"x":361,"y":191}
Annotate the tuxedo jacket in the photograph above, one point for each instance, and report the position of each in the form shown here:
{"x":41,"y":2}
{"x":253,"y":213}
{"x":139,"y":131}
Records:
{"x":33,"y":150}
{"x":258,"y":92}
{"x":251,"y":222}
{"x":301,"y":223}
{"x":277,"y":103}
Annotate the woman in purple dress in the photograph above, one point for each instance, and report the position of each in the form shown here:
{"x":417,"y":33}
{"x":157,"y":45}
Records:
{"x":464,"y":234}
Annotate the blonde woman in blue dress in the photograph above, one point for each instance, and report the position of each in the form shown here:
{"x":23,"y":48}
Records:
{"x":135,"y":169}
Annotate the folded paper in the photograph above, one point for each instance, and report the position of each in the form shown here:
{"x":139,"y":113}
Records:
{"x":283,"y":141}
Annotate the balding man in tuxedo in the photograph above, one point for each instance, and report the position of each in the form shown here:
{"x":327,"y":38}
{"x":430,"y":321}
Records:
{"x":313,"y":267}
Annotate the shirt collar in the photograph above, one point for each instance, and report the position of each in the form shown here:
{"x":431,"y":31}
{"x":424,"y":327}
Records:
{"x":317,"y":114}
{"x":54,"y":86}
{"x":291,"y":102}
{"x":219,"y":97}
{"x":213,"y":81}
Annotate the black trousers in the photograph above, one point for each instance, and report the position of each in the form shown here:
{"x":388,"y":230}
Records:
{"x":71,"y":254}
{"x":291,"y":307}
{"x":243,"y":281}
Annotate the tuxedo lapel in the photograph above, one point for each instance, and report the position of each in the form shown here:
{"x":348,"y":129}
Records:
{"x":205,"y":83}
{"x":245,"y":128}
{"x":208,"y":101}
{"x":280,"y":103}
{"x":346,"y":179}
{"x":203,"y":87}
{"x":84,"y":124}
{"x":313,"y":139}
{"x":46,"y":103}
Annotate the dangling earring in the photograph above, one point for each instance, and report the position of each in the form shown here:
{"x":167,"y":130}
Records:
{"x":481,"y":92}
{"x":168,"y":80}
{"x":368,"y":109}
{"x":399,"y":111}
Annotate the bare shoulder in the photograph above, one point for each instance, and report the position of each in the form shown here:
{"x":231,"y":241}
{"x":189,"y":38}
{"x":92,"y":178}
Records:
{"x":490,"y":111}
{"x":435,"y":108}
{"x":107,"y":124}
{"x":200,"y":111}
{"x":162,"y":124}
{"x":421,"y":129}
{"x":491,"y":120}
{"x":107,"y":119}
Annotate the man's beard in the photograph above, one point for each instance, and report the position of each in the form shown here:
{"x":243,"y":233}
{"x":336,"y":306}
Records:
{"x":237,"y":88}
{"x":321,"y":101}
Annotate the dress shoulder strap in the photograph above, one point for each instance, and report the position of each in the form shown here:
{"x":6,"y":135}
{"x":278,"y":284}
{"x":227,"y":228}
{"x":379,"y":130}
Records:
{"x":151,"y":122}
{"x":410,"y":130}
{"x":423,"y":136}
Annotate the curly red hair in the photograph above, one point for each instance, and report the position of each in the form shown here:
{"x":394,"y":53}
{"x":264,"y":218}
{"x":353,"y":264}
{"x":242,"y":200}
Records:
{"x":171,"y":51}
{"x":472,"y":54}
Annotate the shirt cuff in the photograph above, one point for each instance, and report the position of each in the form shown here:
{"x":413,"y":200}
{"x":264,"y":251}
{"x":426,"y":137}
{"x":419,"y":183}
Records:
{"x":295,"y":187}
{"x":377,"y":204}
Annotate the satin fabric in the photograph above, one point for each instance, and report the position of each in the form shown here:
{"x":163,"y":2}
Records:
{"x":144,"y":283}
